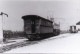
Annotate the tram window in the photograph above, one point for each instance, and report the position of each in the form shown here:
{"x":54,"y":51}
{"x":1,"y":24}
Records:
{"x":37,"y":22}
{"x":32,"y":22}
{"x":48,"y":23}
{"x":28,"y":22}
{"x":44,"y":23}
{"x":41,"y":22}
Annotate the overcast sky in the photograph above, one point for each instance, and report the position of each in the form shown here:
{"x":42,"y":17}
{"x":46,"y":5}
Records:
{"x":67,"y":12}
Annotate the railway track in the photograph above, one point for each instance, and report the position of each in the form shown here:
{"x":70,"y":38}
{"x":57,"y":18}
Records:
{"x":21,"y":44}
{"x":17,"y":45}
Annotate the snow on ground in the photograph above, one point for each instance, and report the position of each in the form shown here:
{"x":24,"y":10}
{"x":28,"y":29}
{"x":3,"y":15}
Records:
{"x":14,"y":41}
{"x":64,"y":43}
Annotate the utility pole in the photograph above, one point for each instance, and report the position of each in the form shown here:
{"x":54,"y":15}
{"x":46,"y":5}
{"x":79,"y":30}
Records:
{"x":1,"y":26}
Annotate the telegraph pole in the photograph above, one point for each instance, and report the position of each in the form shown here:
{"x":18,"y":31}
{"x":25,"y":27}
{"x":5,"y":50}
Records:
{"x":1,"y":26}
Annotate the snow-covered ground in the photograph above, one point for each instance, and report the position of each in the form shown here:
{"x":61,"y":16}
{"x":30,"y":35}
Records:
{"x":64,"y":43}
{"x":10,"y":42}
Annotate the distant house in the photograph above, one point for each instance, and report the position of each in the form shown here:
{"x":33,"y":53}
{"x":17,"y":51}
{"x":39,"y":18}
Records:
{"x":78,"y":25}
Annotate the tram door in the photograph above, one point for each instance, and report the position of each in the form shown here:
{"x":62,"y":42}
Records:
{"x":33,"y":25}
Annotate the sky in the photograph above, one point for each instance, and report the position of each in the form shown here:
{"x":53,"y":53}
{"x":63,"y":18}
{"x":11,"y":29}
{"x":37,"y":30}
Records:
{"x":67,"y":12}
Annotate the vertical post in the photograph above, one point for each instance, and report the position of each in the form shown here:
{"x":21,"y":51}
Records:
{"x":1,"y":29}
{"x":59,"y":25}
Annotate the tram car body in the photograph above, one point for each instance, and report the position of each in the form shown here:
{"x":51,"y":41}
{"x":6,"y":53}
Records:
{"x":36,"y":27}
{"x":73,"y":29}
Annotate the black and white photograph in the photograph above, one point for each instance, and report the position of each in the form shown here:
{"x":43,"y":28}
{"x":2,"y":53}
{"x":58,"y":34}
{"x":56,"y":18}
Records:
{"x":39,"y":26}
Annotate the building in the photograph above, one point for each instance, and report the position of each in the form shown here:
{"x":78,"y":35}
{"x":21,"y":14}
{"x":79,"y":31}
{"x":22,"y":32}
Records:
{"x":78,"y":25}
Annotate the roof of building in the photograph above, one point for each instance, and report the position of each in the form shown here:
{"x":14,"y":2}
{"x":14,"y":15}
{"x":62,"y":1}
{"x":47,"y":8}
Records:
{"x":34,"y":17}
{"x":78,"y":23}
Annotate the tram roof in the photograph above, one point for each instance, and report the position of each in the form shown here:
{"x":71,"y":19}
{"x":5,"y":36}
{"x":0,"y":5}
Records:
{"x":34,"y":17}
